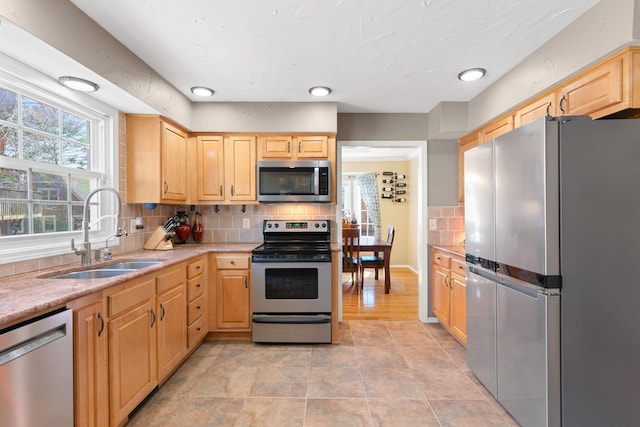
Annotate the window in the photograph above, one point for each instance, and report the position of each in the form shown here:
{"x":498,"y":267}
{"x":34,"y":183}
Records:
{"x":353,"y":205}
{"x":53,"y":152}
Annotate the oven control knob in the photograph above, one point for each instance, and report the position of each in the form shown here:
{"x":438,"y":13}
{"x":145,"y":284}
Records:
{"x":276,"y":225}
{"x":324,"y":225}
{"x":317,"y":225}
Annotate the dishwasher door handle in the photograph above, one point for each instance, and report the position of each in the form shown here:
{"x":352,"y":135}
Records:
{"x":12,"y":353}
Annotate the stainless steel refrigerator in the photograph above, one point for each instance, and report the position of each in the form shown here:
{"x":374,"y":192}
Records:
{"x":551,"y":215}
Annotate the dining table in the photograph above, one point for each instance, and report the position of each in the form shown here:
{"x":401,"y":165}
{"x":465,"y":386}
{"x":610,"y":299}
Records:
{"x":377,"y":245}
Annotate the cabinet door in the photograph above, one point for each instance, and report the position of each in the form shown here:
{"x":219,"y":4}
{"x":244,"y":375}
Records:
{"x":132,"y":359}
{"x":458,"y":316}
{"x":311,"y":147}
{"x":174,"y":163}
{"x":232,"y":300}
{"x":275,"y":147}
{"x":240,"y":168}
{"x":441,"y":294}
{"x":496,"y":128}
{"x":466,"y":143}
{"x":536,"y":109}
{"x":598,"y":89}
{"x":210,"y":163}
{"x":91,"y":399}
{"x":172,"y":330}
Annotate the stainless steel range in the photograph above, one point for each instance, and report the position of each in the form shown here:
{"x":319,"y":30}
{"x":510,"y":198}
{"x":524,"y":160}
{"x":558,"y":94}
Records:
{"x":291,"y":283}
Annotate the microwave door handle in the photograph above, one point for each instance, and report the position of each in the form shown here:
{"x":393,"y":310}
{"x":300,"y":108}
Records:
{"x":316,"y":180}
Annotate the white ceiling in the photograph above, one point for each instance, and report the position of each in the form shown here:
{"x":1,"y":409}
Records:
{"x":381,"y":56}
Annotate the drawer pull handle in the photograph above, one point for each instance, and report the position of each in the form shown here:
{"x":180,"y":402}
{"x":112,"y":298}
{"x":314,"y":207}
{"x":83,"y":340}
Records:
{"x":198,"y":329}
{"x":197,"y":267}
{"x":198,"y":285}
{"x":232,"y":262}
{"x":197,"y":307}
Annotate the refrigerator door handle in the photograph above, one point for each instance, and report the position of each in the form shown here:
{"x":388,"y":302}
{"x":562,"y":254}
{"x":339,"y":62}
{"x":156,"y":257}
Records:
{"x":486,"y":274}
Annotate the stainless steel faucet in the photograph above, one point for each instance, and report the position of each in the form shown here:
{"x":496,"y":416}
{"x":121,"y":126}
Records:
{"x":85,"y":251}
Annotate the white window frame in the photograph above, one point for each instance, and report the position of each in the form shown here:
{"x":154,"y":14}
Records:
{"x":21,"y":78}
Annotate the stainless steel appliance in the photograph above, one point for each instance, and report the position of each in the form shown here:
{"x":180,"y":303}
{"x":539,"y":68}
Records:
{"x":294,"y":181}
{"x":36,"y":372}
{"x":549,"y":212}
{"x":291,"y":283}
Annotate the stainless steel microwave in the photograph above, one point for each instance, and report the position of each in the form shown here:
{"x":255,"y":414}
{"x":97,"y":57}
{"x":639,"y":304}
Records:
{"x":294,"y":181}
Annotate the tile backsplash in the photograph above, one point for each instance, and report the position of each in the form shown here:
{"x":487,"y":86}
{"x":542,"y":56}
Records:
{"x":449,"y":225}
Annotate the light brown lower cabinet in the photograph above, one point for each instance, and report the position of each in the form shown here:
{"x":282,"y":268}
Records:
{"x":132,"y":346}
{"x":90,"y":362}
{"x":231,"y":299}
{"x":171,"y":309}
{"x":449,"y":293}
{"x":196,"y":302}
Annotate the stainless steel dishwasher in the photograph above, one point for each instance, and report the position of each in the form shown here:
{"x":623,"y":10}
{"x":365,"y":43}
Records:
{"x":36,"y":372}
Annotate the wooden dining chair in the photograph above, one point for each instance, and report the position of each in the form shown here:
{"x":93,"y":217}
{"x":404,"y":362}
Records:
{"x":351,"y":253}
{"x":376,"y":261}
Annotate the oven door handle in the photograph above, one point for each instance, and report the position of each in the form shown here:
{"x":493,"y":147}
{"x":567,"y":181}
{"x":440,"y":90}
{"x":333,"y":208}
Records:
{"x":292,"y":318}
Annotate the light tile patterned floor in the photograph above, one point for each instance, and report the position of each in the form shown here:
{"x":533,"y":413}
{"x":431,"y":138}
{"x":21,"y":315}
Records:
{"x":384,"y":373}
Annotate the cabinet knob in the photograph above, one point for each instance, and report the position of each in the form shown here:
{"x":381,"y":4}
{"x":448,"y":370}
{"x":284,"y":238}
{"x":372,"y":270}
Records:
{"x":198,"y":285}
{"x":197,"y":267}
{"x":197,"y":307}
{"x":232,"y":262}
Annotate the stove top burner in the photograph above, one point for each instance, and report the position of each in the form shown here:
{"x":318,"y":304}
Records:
{"x":294,"y":241}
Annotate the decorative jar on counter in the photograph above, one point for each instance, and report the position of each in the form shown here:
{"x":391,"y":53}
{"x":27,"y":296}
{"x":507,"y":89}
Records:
{"x":183,"y":229}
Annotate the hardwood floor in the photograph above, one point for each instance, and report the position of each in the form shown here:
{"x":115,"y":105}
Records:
{"x":401,"y":303}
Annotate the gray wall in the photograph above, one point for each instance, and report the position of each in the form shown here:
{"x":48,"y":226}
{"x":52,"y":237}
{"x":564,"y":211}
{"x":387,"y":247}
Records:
{"x":442,"y":172}
{"x":382,"y":127}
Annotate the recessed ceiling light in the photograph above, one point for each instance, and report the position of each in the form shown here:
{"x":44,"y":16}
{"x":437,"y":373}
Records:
{"x":472,"y":74}
{"x":77,"y":83}
{"x":319,"y":91}
{"x":202,"y":91}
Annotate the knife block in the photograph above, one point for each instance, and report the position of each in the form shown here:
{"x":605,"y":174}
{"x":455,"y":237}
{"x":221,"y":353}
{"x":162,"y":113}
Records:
{"x":158,"y":241}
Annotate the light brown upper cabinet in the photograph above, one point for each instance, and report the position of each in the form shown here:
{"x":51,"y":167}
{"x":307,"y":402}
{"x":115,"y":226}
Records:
{"x":466,"y":143}
{"x":226,"y":169}
{"x":597,"y":92}
{"x":533,"y":110}
{"x":496,"y":128}
{"x":285,"y":147}
{"x":156,"y":160}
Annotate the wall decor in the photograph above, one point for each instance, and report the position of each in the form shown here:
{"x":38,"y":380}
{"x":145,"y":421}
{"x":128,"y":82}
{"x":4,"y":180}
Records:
{"x":393,"y":187}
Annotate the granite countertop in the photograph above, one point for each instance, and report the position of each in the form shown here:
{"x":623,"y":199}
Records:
{"x":26,"y":295}
{"x":453,"y":249}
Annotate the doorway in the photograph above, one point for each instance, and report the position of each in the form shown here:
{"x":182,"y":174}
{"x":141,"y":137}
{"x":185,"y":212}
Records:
{"x":384,"y":151}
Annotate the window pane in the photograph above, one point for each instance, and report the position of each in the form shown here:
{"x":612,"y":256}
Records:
{"x":53,"y":218}
{"x":49,"y":187}
{"x":74,"y":127}
{"x":75,"y":156}
{"x":8,"y":105}
{"x":8,"y":141}
{"x":13,"y":218}
{"x":40,"y":148}
{"x":39,"y":116}
{"x":76,"y":217}
{"x":13,"y":184}
{"x":80,"y":188}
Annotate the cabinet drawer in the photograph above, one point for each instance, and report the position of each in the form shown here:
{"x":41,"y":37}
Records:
{"x":441,"y":259}
{"x":196,"y":331}
{"x":195,"y":288}
{"x":130,"y":297}
{"x":168,"y":279}
{"x":195,"y":268}
{"x":195,"y":309}
{"x":458,"y":266}
{"x":232,"y":261}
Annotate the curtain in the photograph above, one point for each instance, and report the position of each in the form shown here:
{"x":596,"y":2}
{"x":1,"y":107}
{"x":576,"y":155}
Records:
{"x":369,"y":193}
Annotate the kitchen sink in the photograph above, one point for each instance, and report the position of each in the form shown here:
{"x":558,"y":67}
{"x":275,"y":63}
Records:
{"x":130,"y":265}
{"x":105,"y":271}
{"x":96,"y":273}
